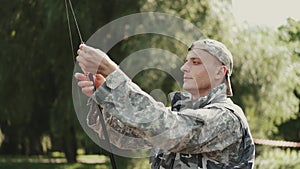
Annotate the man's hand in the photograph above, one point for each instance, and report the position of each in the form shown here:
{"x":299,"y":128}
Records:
{"x":95,"y":61}
{"x":87,"y":85}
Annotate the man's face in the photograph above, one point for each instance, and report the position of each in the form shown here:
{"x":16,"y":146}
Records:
{"x":200,"y":70}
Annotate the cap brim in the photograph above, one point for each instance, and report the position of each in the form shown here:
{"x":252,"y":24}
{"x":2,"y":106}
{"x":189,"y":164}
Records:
{"x":228,"y":85}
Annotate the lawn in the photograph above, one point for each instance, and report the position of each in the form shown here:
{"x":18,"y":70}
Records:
{"x":270,"y":159}
{"x":84,"y":162}
{"x":53,"y":162}
{"x":27,"y":165}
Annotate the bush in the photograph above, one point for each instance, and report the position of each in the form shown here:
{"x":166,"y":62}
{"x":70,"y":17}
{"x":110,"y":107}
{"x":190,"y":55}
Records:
{"x":278,"y":159}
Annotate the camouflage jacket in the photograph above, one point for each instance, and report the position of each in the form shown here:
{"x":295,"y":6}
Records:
{"x":209,"y":132}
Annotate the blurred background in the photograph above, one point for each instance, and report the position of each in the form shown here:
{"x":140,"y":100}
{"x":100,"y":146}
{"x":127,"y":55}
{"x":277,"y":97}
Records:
{"x":39,"y":127}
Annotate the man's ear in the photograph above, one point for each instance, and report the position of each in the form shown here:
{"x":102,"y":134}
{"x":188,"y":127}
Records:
{"x":221,"y":72}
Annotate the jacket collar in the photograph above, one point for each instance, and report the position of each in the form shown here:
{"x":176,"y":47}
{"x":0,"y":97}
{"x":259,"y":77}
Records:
{"x":183,"y":100}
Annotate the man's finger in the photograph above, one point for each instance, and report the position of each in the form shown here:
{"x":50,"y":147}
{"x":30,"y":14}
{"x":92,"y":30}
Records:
{"x":81,"y":56}
{"x":81,"y":77}
{"x":99,"y":80}
{"x":82,"y":66}
{"x":86,"y":48}
{"x":88,"y":91}
{"x":84,"y":84}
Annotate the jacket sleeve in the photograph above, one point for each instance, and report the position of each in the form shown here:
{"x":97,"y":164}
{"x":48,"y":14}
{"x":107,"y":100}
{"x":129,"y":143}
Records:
{"x":120,"y":134}
{"x":187,"y":131}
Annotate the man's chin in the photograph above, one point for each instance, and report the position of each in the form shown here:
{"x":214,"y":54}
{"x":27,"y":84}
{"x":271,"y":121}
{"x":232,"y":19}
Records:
{"x":188,"y":88}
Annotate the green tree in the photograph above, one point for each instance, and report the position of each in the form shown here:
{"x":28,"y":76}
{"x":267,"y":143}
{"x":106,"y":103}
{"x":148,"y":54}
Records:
{"x":23,"y":96}
{"x":289,"y":130}
{"x":37,"y":69}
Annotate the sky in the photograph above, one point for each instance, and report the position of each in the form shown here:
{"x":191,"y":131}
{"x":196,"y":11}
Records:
{"x":272,"y":13}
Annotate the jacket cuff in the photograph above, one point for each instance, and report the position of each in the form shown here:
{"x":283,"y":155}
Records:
{"x":101,"y":93}
{"x":117,"y":77}
{"x":113,"y":80}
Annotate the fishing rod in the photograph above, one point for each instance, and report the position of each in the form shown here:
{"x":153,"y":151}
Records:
{"x":90,"y":75}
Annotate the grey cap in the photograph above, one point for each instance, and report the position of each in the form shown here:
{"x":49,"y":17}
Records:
{"x":220,"y":51}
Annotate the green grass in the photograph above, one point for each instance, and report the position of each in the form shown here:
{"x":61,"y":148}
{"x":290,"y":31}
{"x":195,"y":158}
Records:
{"x":26,"y":165}
{"x":270,"y":158}
{"x":58,"y":162}
{"x":53,"y":162}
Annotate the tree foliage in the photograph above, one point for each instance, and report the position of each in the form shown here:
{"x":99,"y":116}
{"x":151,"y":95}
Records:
{"x":37,"y":68}
{"x":291,"y":35}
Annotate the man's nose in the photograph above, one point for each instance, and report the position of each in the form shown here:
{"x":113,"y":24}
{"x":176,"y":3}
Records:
{"x":184,"y":68}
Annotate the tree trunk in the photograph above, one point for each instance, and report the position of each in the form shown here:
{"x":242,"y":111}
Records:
{"x":70,"y":145}
{"x":11,"y":140}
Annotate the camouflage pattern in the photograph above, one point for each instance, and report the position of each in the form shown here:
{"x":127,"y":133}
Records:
{"x":209,"y":132}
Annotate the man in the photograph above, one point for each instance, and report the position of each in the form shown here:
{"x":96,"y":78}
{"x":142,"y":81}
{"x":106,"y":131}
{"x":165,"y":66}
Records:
{"x":203,"y":129}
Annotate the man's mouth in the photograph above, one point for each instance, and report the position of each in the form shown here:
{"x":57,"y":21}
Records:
{"x":186,"y":78}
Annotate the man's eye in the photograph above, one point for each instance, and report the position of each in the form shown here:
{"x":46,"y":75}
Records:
{"x":196,"y":62}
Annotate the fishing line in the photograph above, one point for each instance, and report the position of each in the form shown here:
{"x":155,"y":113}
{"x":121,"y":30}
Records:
{"x":99,"y":112}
